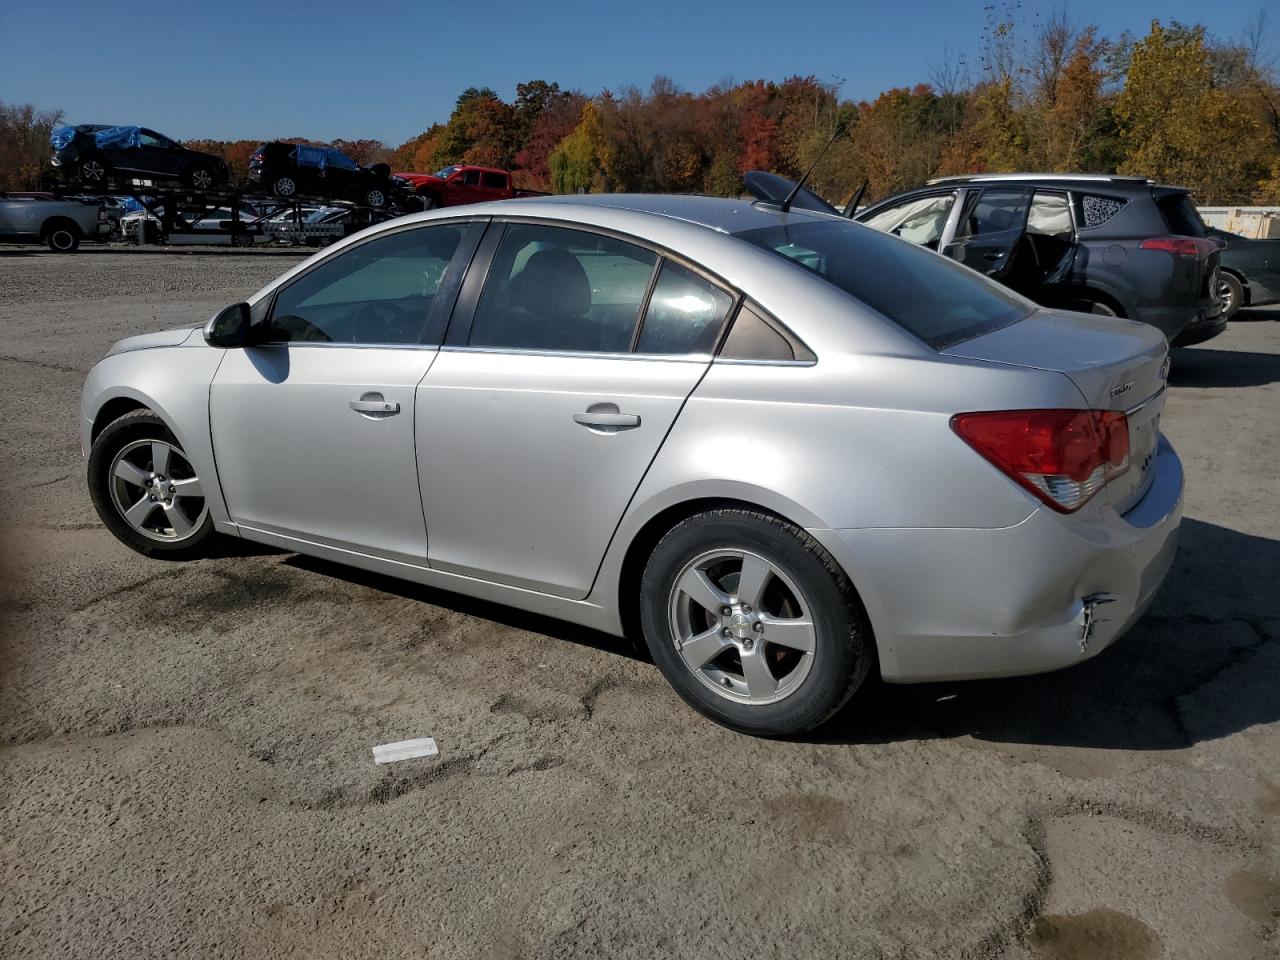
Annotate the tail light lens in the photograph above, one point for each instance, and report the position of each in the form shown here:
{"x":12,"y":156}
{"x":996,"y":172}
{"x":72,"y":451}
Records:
{"x":1191,"y":247}
{"x":1064,"y":457}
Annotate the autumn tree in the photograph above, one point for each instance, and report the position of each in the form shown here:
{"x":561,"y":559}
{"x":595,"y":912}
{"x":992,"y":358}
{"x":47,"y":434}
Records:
{"x":24,"y":144}
{"x":1176,"y":126}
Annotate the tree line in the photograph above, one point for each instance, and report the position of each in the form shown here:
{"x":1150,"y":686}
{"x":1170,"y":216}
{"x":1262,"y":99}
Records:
{"x":1176,"y":105}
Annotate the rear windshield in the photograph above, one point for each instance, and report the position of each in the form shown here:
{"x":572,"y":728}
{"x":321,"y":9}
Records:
{"x":936,"y":299}
{"x":1181,"y":215}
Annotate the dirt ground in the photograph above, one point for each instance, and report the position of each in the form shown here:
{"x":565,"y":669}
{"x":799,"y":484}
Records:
{"x":185,"y":765}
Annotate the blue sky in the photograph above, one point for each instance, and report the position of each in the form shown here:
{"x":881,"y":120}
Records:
{"x":387,"y":69}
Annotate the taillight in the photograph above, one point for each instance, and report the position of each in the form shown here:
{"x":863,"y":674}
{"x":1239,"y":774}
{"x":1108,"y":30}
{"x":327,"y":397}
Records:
{"x":1180,"y":246}
{"x":1064,"y":457}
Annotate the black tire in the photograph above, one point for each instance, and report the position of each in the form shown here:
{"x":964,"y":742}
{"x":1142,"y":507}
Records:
{"x":93,"y":170}
{"x":241,"y":240}
{"x":843,"y":649}
{"x":1231,"y":292}
{"x":133,"y":428}
{"x":429,"y":203}
{"x":284,"y":186}
{"x":1089,"y":305}
{"x":200,"y":177}
{"x":62,"y":236}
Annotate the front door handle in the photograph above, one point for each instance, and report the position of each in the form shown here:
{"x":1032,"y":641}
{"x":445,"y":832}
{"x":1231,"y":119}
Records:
{"x":374,"y":406}
{"x":607,"y":419}
{"x":992,"y":256}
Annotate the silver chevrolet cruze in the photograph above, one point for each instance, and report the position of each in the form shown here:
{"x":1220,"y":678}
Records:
{"x":787,"y":448}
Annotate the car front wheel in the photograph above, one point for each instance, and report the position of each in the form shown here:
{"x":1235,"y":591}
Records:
{"x":753,"y":622}
{"x":376,"y":198}
{"x":284,"y":186}
{"x":1231,"y":293}
{"x":92,"y":170}
{"x":146,"y":490}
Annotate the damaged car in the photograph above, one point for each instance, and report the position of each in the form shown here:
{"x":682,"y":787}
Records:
{"x":1115,"y":246}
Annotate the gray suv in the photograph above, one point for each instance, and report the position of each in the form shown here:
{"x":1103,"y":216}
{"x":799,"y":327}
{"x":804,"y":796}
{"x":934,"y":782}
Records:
{"x":1117,"y":246}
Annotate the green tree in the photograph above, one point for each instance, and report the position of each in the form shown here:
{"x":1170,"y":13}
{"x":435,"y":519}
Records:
{"x":576,"y":163}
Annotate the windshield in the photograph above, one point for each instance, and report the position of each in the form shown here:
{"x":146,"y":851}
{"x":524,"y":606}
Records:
{"x":446,"y":173}
{"x":931,"y":297}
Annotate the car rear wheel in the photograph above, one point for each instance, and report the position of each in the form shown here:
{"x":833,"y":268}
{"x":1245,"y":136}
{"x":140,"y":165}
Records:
{"x":200,"y":178}
{"x":753,"y":623}
{"x":62,"y":237}
{"x":146,"y":489}
{"x":284,"y":186}
{"x":1231,"y":293}
{"x":1087,"y":305}
{"x":92,"y":170}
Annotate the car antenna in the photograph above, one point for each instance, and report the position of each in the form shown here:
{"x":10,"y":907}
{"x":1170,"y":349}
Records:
{"x":852,"y":207}
{"x":786,"y":204}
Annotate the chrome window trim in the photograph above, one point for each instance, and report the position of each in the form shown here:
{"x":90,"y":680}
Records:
{"x":334,"y":344}
{"x":579,"y":354}
{"x":766,"y":363}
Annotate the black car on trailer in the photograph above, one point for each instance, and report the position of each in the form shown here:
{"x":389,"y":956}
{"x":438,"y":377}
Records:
{"x":297,"y":170}
{"x":1120,"y":246}
{"x":93,"y":153}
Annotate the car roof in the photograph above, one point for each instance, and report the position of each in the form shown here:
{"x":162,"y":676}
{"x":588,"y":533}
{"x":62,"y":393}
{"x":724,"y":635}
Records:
{"x":721,"y":214}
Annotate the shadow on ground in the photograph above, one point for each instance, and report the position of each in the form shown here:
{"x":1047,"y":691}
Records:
{"x":1203,"y":367}
{"x":1166,"y":685}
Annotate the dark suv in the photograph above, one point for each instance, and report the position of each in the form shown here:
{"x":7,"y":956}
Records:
{"x":93,"y":153}
{"x":295,"y":170}
{"x":1120,"y":246}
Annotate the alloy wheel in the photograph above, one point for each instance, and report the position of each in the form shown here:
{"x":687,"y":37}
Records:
{"x":92,"y":170}
{"x":155,"y":489}
{"x":201,"y":179}
{"x":1226,"y":296}
{"x":375,"y":198}
{"x":285,"y":187}
{"x":742,"y":626}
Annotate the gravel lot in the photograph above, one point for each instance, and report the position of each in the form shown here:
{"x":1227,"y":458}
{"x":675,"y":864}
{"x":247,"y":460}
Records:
{"x":185,"y":767}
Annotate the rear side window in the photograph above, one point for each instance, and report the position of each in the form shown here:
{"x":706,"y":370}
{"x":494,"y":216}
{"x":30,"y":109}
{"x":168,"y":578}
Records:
{"x":934,"y":298}
{"x":471,"y":178}
{"x":494,"y":181}
{"x":684,"y":315}
{"x":1181,"y":215}
{"x":996,"y":210}
{"x":552,"y":288}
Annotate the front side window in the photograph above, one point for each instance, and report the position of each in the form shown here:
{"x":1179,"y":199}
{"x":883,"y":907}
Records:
{"x":339,"y":160}
{"x":494,"y":181}
{"x":471,"y":178}
{"x":550,"y":288}
{"x":149,"y":138}
{"x":684,"y":315}
{"x":920,"y":220}
{"x":380,"y":291}
{"x":934,"y":298}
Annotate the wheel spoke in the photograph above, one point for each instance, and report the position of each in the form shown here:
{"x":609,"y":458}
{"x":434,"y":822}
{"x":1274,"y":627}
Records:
{"x":796,"y":634}
{"x":699,"y":588}
{"x":177,"y":519}
{"x":760,"y":682}
{"x":127,"y":472}
{"x":700,"y":650}
{"x":160,"y":457}
{"x":139,"y":512}
{"x":187,"y":488}
{"x":755,"y":576}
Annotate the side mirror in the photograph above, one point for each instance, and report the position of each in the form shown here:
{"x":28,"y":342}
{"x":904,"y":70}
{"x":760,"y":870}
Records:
{"x":229,"y":327}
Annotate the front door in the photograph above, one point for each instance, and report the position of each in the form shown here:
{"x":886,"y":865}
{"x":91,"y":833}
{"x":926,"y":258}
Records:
{"x":558,"y":382}
{"x":313,"y":427}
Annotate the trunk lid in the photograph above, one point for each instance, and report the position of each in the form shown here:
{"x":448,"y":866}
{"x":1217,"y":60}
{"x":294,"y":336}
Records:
{"x":1115,"y":364}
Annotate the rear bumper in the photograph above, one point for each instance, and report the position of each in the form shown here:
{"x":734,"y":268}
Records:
{"x":1200,"y":330}
{"x":961,"y":603}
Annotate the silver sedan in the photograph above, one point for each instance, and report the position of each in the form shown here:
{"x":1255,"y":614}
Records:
{"x":786,"y":449}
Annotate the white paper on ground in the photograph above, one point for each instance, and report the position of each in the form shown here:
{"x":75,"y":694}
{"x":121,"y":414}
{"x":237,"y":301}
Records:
{"x":405,"y":750}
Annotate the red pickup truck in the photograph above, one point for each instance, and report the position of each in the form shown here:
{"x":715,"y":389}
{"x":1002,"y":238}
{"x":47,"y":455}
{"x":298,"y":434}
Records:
{"x":454,"y":186}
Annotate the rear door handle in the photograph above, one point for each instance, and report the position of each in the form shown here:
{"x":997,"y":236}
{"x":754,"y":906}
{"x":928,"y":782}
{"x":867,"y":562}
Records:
{"x":619,"y":420}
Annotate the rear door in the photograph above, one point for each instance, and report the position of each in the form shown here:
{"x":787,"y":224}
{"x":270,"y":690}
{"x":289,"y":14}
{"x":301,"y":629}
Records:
{"x":989,"y":230}
{"x":561,"y":374}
